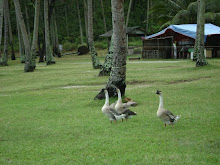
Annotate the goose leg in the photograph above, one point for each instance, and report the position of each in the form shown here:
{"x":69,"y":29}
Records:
{"x":115,"y":121}
{"x":165,"y":124}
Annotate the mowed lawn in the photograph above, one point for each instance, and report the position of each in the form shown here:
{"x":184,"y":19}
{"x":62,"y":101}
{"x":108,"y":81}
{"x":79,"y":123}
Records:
{"x":50,"y":116}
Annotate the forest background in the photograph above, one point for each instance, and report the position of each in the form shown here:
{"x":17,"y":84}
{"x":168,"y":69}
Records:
{"x":151,"y":16}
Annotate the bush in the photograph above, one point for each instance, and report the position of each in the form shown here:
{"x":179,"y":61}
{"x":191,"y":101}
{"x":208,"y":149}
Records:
{"x":101,"y":45}
{"x":67,"y":46}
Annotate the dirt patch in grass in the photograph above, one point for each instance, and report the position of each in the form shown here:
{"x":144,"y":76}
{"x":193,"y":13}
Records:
{"x":135,"y":82}
{"x":189,"y":80}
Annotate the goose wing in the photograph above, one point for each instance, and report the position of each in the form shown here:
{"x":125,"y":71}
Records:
{"x":114,"y":112}
{"x":170,"y":115}
{"x":129,"y":112}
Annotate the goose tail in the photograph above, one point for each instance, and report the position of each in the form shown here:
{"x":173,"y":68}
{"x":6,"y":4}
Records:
{"x":177,"y":118}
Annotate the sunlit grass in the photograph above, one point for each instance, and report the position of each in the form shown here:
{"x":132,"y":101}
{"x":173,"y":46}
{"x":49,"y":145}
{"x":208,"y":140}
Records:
{"x":42,"y":122}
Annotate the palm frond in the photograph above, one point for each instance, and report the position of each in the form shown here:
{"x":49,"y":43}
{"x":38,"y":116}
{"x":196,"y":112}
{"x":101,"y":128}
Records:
{"x":180,"y":17}
{"x":165,"y":25}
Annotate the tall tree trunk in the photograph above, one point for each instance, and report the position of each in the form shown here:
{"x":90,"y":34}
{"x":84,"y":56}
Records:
{"x":29,"y":65}
{"x":56,"y":46}
{"x":49,"y":55}
{"x":107,"y":65}
{"x":147,"y":21}
{"x":104,"y":21}
{"x":80,"y":24}
{"x":11,"y":37}
{"x":128,"y":14}
{"x":6,"y":35}
{"x":118,"y":72}
{"x":66,"y":19}
{"x":95,"y":62}
{"x":199,"y":47}
{"x":27,"y":21}
{"x":1,"y":19}
{"x":86,"y":18}
{"x":21,"y":43}
{"x":35,"y":33}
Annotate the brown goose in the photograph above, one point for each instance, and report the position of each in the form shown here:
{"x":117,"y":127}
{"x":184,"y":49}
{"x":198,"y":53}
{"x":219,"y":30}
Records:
{"x":109,"y":112}
{"x":166,"y":116}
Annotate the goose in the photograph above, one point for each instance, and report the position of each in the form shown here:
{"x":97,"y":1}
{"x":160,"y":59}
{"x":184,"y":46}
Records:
{"x":109,"y":112}
{"x":121,"y":109}
{"x":166,"y":116}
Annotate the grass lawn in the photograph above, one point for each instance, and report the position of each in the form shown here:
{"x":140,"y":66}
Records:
{"x":50,"y":116}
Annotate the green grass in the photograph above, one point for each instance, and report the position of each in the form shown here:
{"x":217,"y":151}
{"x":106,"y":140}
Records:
{"x":43,"y":123}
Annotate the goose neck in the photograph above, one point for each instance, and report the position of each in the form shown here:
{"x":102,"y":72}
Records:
{"x":161,"y":101}
{"x":119,"y":96}
{"x":106,"y":98}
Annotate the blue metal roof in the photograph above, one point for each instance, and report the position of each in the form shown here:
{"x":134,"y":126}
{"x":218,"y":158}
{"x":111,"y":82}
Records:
{"x":188,"y":30}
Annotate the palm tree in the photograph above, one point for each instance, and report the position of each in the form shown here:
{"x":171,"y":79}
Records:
{"x":118,"y":70}
{"x":49,"y":55}
{"x":4,"y":61}
{"x":1,"y":19}
{"x":182,"y":12}
{"x":199,"y":43}
{"x":29,"y":65}
{"x":95,"y":62}
{"x":35,"y":33}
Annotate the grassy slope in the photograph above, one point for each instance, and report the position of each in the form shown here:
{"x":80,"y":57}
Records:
{"x":43,"y":123}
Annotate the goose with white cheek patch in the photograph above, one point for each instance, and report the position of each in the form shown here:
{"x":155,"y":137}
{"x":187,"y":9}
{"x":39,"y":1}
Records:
{"x":109,"y":112}
{"x":166,"y":116}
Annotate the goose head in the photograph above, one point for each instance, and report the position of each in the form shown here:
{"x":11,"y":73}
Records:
{"x":158,"y":92}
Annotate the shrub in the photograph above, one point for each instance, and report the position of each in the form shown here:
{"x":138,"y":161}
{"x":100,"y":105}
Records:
{"x":67,"y":46}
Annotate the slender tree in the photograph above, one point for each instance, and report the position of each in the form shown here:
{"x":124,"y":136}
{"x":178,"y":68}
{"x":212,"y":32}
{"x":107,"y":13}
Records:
{"x":29,"y":64}
{"x":95,"y":62}
{"x":86,"y":17}
{"x":21,"y":43}
{"x":6,"y":35}
{"x":199,"y":46}
{"x":118,"y":72}
{"x":49,"y":55}
{"x":27,"y":21}
{"x":11,"y":37}
{"x":1,"y":18}
{"x":80,"y":24}
{"x":35,"y":33}
{"x":66,"y":19}
{"x":128,"y":14}
{"x":104,"y":20}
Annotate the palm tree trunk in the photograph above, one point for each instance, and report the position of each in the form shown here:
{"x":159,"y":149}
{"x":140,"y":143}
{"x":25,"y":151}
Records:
{"x":80,"y":24}
{"x":118,"y":72}
{"x":66,"y":19}
{"x":95,"y":62}
{"x":6,"y":35}
{"x":147,"y":21}
{"x":29,"y":66}
{"x":49,"y":55}
{"x":56,"y":46}
{"x":86,"y":18}
{"x":107,"y":65}
{"x":1,"y":18}
{"x":21,"y":43}
{"x":35,"y":33}
{"x":11,"y":37}
{"x":128,"y":14}
{"x":199,"y":47}
{"x":27,"y":21}
{"x":104,"y":21}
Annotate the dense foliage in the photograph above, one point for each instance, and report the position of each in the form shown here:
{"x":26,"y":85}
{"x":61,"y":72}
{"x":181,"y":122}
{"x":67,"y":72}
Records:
{"x":161,"y":14}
